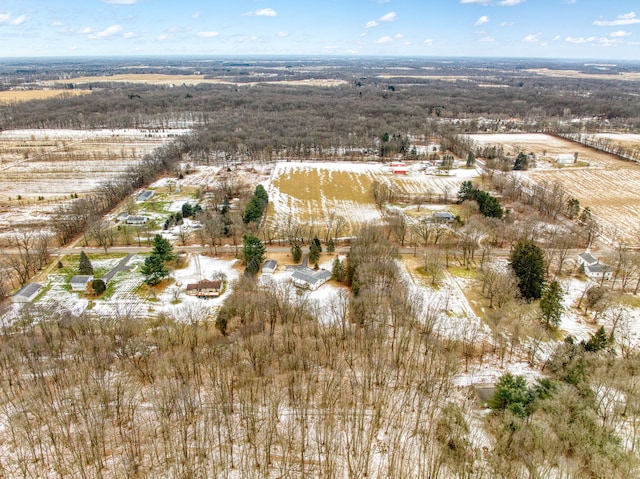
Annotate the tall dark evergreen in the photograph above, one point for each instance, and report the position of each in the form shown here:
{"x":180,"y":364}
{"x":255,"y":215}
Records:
{"x":551,"y":304}
{"x":527,"y":263}
{"x":85,"y":266}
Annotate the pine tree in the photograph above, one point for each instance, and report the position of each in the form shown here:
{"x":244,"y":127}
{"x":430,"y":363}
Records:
{"x":296,"y":253}
{"x":252,"y":250}
{"x":527,"y":263}
{"x":337,"y":271}
{"x":162,"y":248}
{"x":314,"y":253}
{"x":551,"y":304}
{"x":331,"y":246}
{"x":85,"y":266}
{"x":153,"y":269}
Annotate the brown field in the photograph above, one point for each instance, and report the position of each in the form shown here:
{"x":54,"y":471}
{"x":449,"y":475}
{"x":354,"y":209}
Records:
{"x":160,"y":79}
{"x":628,"y":140}
{"x":630,"y":76}
{"x":311,"y":194}
{"x":14,"y":96}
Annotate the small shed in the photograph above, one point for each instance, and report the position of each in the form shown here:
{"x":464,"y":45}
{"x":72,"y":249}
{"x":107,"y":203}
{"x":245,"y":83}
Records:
{"x":27,"y":294}
{"x":269,"y":266}
{"x":567,"y":158}
{"x":306,"y":278}
{"x":205,"y":288}
{"x":586,"y":259}
{"x":145,"y":196}
{"x":80,"y":282}
{"x":598,"y":271}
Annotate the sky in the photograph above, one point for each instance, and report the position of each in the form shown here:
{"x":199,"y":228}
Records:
{"x":580,"y":29}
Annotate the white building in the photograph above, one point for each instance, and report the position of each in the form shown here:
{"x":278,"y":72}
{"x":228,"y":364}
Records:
{"x":27,"y":294}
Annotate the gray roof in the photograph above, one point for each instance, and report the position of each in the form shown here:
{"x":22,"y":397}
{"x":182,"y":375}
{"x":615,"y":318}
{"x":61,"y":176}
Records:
{"x":145,"y":195}
{"x":599,"y":268}
{"x":443,"y":215}
{"x":310,"y":276}
{"x":29,"y":290}
{"x":270,"y":263}
{"x":588,"y":258}
{"x":81,"y":279}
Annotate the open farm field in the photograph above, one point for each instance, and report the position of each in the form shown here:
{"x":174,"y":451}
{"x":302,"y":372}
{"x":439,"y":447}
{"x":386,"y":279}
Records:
{"x":160,"y":79}
{"x":39,"y":169}
{"x":545,"y":147}
{"x":12,"y":96}
{"x":628,"y":140}
{"x":315,"y":194}
{"x":612,"y":194}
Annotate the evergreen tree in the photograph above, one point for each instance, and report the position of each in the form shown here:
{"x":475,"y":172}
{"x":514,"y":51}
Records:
{"x":252,"y":248}
{"x":98,"y":286}
{"x":522,"y":162}
{"x":331,"y":246}
{"x":296,"y":253}
{"x":471,"y":160}
{"x":527,"y":263}
{"x":162,"y":248}
{"x":551,"y":304}
{"x":597,"y":342}
{"x":314,"y":253}
{"x":337,"y":270}
{"x":85,"y":266}
{"x":153,"y":269}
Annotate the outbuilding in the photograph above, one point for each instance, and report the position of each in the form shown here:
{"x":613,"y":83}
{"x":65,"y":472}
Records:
{"x":27,"y":294}
{"x":80,"y":282}
{"x":567,"y":158}
{"x":269,"y":266}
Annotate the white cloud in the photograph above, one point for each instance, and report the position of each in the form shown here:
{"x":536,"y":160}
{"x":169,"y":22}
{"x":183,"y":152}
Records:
{"x":556,"y":38}
{"x":8,"y":19}
{"x":18,"y":20}
{"x":107,"y":32}
{"x":482,"y":20}
{"x":531,"y":38}
{"x":129,"y":35}
{"x":57,"y":24}
{"x":619,"y":34}
{"x":625,"y":19}
{"x":399,"y":35}
{"x":487,"y":39}
{"x":85,"y":30}
{"x":196,"y":15}
{"x":428,"y":41}
{"x":580,"y":39}
{"x":389,"y":17}
{"x":283,"y":34}
{"x":510,"y":3}
{"x":383,"y":40}
{"x":262,"y":12}
{"x":506,"y":24}
{"x":480,"y":2}
{"x":164,"y":37}
{"x":120,"y":2}
{"x":371,"y":24}
{"x":208,"y":34}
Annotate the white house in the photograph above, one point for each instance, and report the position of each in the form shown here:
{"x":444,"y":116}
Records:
{"x":592,"y":266}
{"x":136,"y":220}
{"x":80,"y":282}
{"x":306,"y":278}
{"x":27,"y":294}
{"x":269,"y":266}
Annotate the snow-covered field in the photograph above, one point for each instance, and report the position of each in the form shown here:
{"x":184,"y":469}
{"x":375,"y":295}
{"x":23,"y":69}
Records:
{"x":40,"y":169}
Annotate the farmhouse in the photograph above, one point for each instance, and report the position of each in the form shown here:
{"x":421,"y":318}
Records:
{"x":443,"y":217}
{"x":205,"y":289}
{"x":27,"y":294}
{"x":80,"y":282}
{"x":592,"y":266}
{"x":122,"y":217}
{"x":567,"y":158}
{"x":306,"y":278}
{"x":136,"y":220}
{"x":145,"y":196}
{"x":269,"y":266}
